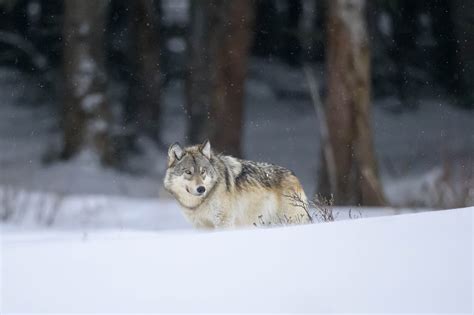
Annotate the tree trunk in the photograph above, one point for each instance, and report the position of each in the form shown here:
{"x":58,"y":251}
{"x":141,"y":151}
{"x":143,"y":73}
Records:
{"x":462,"y":12}
{"x":198,"y":78}
{"x":267,"y":29}
{"x":292,"y":51}
{"x":143,"y":108}
{"x":348,"y":105}
{"x":86,"y":117}
{"x":230,"y":44}
{"x":444,"y":56}
{"x":404,"y":48}
{"x":220,"y":39}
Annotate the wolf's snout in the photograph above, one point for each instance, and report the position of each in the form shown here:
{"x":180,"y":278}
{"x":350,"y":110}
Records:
{"x":201,"y":189}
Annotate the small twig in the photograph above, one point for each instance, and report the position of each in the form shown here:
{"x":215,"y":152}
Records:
{"x":15,"y":40}
{"x":322,"y":207}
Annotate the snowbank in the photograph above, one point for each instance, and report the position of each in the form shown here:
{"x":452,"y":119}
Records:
{"x":407,"y":263}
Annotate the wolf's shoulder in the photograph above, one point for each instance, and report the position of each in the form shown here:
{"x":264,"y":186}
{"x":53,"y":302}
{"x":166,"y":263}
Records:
{"x":268,"y":169}
{"x":247,"y":174}
{"x":242,"y":166}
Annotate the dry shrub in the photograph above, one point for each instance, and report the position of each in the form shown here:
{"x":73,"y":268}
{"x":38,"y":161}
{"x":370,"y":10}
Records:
{"x":319,"y":209}
{"x":451,"y":186}
{"x":8,"y":203}
{"x":17,"y":204}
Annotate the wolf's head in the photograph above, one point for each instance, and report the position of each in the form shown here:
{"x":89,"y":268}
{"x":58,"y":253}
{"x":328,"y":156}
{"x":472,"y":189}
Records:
{"x":190,"y":176}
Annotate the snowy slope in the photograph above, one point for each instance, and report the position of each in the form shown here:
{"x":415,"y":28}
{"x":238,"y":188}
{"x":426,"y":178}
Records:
{"x":407,"y":263}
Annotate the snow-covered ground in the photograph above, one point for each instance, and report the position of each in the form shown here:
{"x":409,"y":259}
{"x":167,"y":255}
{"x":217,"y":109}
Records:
{"x":417,"y":263}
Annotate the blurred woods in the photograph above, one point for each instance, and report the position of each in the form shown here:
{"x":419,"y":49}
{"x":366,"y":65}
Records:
{"x":369,"y":48}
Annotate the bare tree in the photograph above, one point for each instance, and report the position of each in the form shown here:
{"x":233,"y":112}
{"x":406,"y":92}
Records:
{"x":143,"y":105}
{"x":220,"y":42}
{"x":86,"y":114}
{"x":348,"y":105}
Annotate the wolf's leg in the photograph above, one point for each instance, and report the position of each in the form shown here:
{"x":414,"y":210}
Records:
{"x":222,"y":220}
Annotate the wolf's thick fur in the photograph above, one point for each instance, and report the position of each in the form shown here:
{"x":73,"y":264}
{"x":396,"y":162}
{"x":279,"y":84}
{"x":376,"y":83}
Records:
{"x":218,"y":191}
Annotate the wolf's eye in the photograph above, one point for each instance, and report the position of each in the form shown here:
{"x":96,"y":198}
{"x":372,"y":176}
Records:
{"x":188,"y":172}
{"x":203,"y":171}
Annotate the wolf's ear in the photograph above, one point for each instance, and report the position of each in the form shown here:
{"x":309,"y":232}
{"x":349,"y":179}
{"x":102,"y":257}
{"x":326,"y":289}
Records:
{"x":175,"y":152}
{"x":205,"y":148}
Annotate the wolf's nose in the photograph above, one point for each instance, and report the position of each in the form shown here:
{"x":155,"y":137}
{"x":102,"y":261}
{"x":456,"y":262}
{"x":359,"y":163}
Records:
{"x":201,"y":189}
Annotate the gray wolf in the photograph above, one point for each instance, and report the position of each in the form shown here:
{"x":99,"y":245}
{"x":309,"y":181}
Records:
{"x":219,"y":191}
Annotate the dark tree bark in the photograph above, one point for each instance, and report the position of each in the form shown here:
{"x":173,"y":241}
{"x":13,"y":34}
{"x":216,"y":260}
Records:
{"x":445,"y":53}
{"x":198,"y":78}
{"x":86,"y":112}
{"x":348,"y":105}
{"x":231,"y":43}
{"x":404,"y":47}
{"x":291,"y":42}
{"x":143,"y":104}
{"x":220,"y":72}
{"x":462,"y":12}
{"x":267,"y":29}
{"x":320,"y":29}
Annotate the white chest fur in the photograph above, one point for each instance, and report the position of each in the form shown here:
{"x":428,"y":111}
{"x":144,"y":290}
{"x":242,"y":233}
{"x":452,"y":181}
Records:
{"x":224,"y":210}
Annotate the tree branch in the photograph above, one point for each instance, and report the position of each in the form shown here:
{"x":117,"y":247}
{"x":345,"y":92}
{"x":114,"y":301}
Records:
{"x":15,"y":40}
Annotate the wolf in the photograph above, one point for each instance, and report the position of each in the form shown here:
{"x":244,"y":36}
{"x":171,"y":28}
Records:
{"x":217,"y":191}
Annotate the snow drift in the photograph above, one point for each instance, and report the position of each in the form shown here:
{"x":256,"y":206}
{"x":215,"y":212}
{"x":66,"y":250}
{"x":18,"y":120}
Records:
{"x":407,"y":263}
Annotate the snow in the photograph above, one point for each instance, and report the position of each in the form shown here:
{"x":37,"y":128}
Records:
{"x":97,"y":125}
{"x":408,"y":263}
{"x":85,"y":75}
{"x":91,"y":102}
{"x":84,"y":28}
{"x":384,"y":24}
{"x":175,"y":12}
{"x":176,"y":45}
{"x":34,"y":11}
{"x":434,"y":189}
{"x":350,"y":13}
